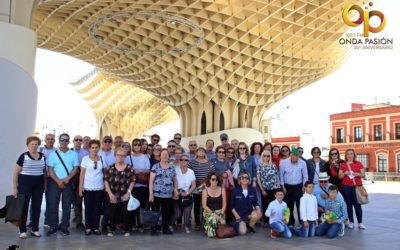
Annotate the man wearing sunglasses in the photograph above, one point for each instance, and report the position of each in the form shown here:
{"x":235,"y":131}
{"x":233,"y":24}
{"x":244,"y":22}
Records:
{"x":155,"y":139}
{"x":321,"y":191}
{"x":63,"y":166}
{"x":107,"y":152}
{"x":76,"y":200}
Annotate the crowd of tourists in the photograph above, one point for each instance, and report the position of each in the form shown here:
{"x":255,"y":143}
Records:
{"x":244,"y":187}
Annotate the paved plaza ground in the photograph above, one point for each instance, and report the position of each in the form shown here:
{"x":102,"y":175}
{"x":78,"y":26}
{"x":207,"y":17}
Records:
{"x":381,"y":218}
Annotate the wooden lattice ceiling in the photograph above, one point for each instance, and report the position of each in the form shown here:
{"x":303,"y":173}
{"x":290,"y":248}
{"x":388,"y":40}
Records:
{"x":251,"y":53}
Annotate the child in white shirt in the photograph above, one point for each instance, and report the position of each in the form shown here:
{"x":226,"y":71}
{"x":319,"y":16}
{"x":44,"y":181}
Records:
{"x":308,"y":212}
{"x":275,"y":213}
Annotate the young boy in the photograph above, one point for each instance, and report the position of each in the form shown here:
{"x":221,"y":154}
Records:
{"x":308,"y":212}
{"x":336,"y":207}
{"x":275,"y":213}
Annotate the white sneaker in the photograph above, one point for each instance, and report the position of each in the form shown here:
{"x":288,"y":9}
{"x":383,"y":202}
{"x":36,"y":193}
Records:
{"x":127,"y":234}
{"x":22,"y":235}
{"x":350,"y":225}
{"x":36,"y":234}
{"x":361,"y":226}
{"x":187,"y":230}
{"x":110,"y":234}
{"x":171,"y":228}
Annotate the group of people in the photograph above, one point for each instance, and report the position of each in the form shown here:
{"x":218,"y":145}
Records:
{"x":233,"y":184}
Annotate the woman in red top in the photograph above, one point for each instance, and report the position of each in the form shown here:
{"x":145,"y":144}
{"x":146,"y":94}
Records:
{"x":351,"y":172}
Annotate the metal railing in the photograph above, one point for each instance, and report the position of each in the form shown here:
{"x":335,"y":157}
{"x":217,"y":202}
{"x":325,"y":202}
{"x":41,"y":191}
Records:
{"x":380,"y":176}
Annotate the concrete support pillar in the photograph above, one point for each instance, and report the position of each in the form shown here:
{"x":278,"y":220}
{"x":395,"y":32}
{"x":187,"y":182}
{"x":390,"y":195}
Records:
{"x":18,"y":96}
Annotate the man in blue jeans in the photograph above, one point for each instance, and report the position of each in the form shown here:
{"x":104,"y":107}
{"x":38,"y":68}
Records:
{"x":332,"y":227}
{"x":63,"y":165}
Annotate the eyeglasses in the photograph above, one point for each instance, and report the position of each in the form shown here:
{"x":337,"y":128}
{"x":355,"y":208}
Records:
{"x":230,"y":152}
{"x":107,"y":141}
{"x":177,"y":138}
{"x":213,"y":179}
{"x":95,"y":165}
{"x":266,"y":156}
{"x":118,"y":155}
{"x":244,"y":178}
{"x":64,"y":140}
{"x":78,"y":140}
{"x":301,"y":152}
{"x":224,"y":139}
{"x":323,"y":181}
{"x":125,"y":146}
{"x":184,"y":160}
{"x":192,"y":145}
{"x":334,"y":154}
{"x":221,"y":152}
{"x":242,"y":148}
{"x":316,"y":152}
{"x":285,"y":150}
{"x":156,"y":140}
{"x":137,"y":144}
{"x":171,"y":146}
{"x":49,"y":139}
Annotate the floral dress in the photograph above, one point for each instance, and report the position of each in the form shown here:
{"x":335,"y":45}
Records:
{"x":269,"y":176}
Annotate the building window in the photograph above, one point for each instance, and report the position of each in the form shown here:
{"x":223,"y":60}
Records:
{"x":339,"y":135}
{"x":364,"y":159}
{"x":398,"y":163}
{"x":357,"y":134}
{"x":397,"y":131}
{"x":382,"y":163}
{"x":377,"y":133}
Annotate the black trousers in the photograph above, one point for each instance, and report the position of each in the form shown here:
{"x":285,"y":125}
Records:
{"x":142,"y":194}
{"x":165,"y":206}
{"x":266,"y":200}
{"x":93,"y":200}
{"x":119,"y":208}
{"x":293,"y":195}
{"x":197,"y":208}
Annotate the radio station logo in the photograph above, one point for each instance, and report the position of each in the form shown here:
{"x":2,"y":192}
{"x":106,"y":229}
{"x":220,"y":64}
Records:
{"x":363,"y":40}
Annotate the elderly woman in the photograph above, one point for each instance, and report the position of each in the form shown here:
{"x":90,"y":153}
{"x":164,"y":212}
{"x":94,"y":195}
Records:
{"x":91,"y":187}
{"x":186,"y":186}
{"x":30,"y":179}
{"x":119,"y":180}
{"x":267,"y":179}
{"x":351,"y":171}
{"x":213,"y":200}
{"x":163,"y":186}
{"x":244,"y":206}
{"x":141,"y":164}
{"x":201,"y":166}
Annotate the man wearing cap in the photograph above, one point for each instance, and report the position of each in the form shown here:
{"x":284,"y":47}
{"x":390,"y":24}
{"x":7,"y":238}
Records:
{"x":224,"y":141}
{"x":321,"y":191}
{"x":107,"y":153}
{"x":293,"y":175}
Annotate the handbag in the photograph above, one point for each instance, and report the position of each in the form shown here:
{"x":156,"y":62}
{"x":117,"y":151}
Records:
{"x":142,"y":178}
{"x":225,"y":231}
{"x":14,"y":207}
{"x":148,"y":216}
{"x":66,"y":170}
{"x":361,"y":192}
{"x":133,"y":203}
{"x":185,"y":201}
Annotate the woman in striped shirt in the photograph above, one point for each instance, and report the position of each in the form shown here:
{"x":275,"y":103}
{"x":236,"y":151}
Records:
{"x":30,"y":179}
{"x":201,"y":166}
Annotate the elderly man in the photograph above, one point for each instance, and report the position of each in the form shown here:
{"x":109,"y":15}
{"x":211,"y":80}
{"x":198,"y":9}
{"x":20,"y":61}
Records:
{"x":171,"y":149}
{"x":118,"y":140}
{"x":192,"y":149}
{"x":85,"y":143}
{"x":293,"y":175}
{"x":209,"y":150}
{"x":321,"y":191}
{"x":178,"y":138}
{"x":63,"y":165}
{"x":235,"y":145}
{"x":76,"y":200}
{"x":107,"y":152}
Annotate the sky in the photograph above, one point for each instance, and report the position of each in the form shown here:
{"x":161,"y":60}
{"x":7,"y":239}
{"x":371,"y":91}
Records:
{"x":367,"y":76}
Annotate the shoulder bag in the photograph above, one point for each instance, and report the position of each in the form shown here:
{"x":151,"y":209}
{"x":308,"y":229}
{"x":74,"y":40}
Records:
{"x":361,"y":192}
{"x":66,"y":169}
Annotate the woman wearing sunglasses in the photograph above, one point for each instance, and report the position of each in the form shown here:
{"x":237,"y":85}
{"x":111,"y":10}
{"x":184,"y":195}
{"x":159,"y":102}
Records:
{"x":91,"y":187}
{"x":332,"y":167}
{"x":268,"y":180}
{"x":214,"y":204}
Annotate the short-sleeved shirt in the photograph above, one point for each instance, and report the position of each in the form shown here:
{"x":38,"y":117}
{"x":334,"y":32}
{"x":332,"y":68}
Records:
{"x":31,"y":166}
{"x":70,"y":159}
{"x":269,"y":176}
{"x":81,"y":153}
{"x":356,"y":167}
{"x":220,"y":166}
{"x":184,"y":179}
{"x":140,"y":163}
{"x":163,"y":181}
{"x":93,"y":180}
{"x":119,"y":181}
{"x":108,"y":158}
